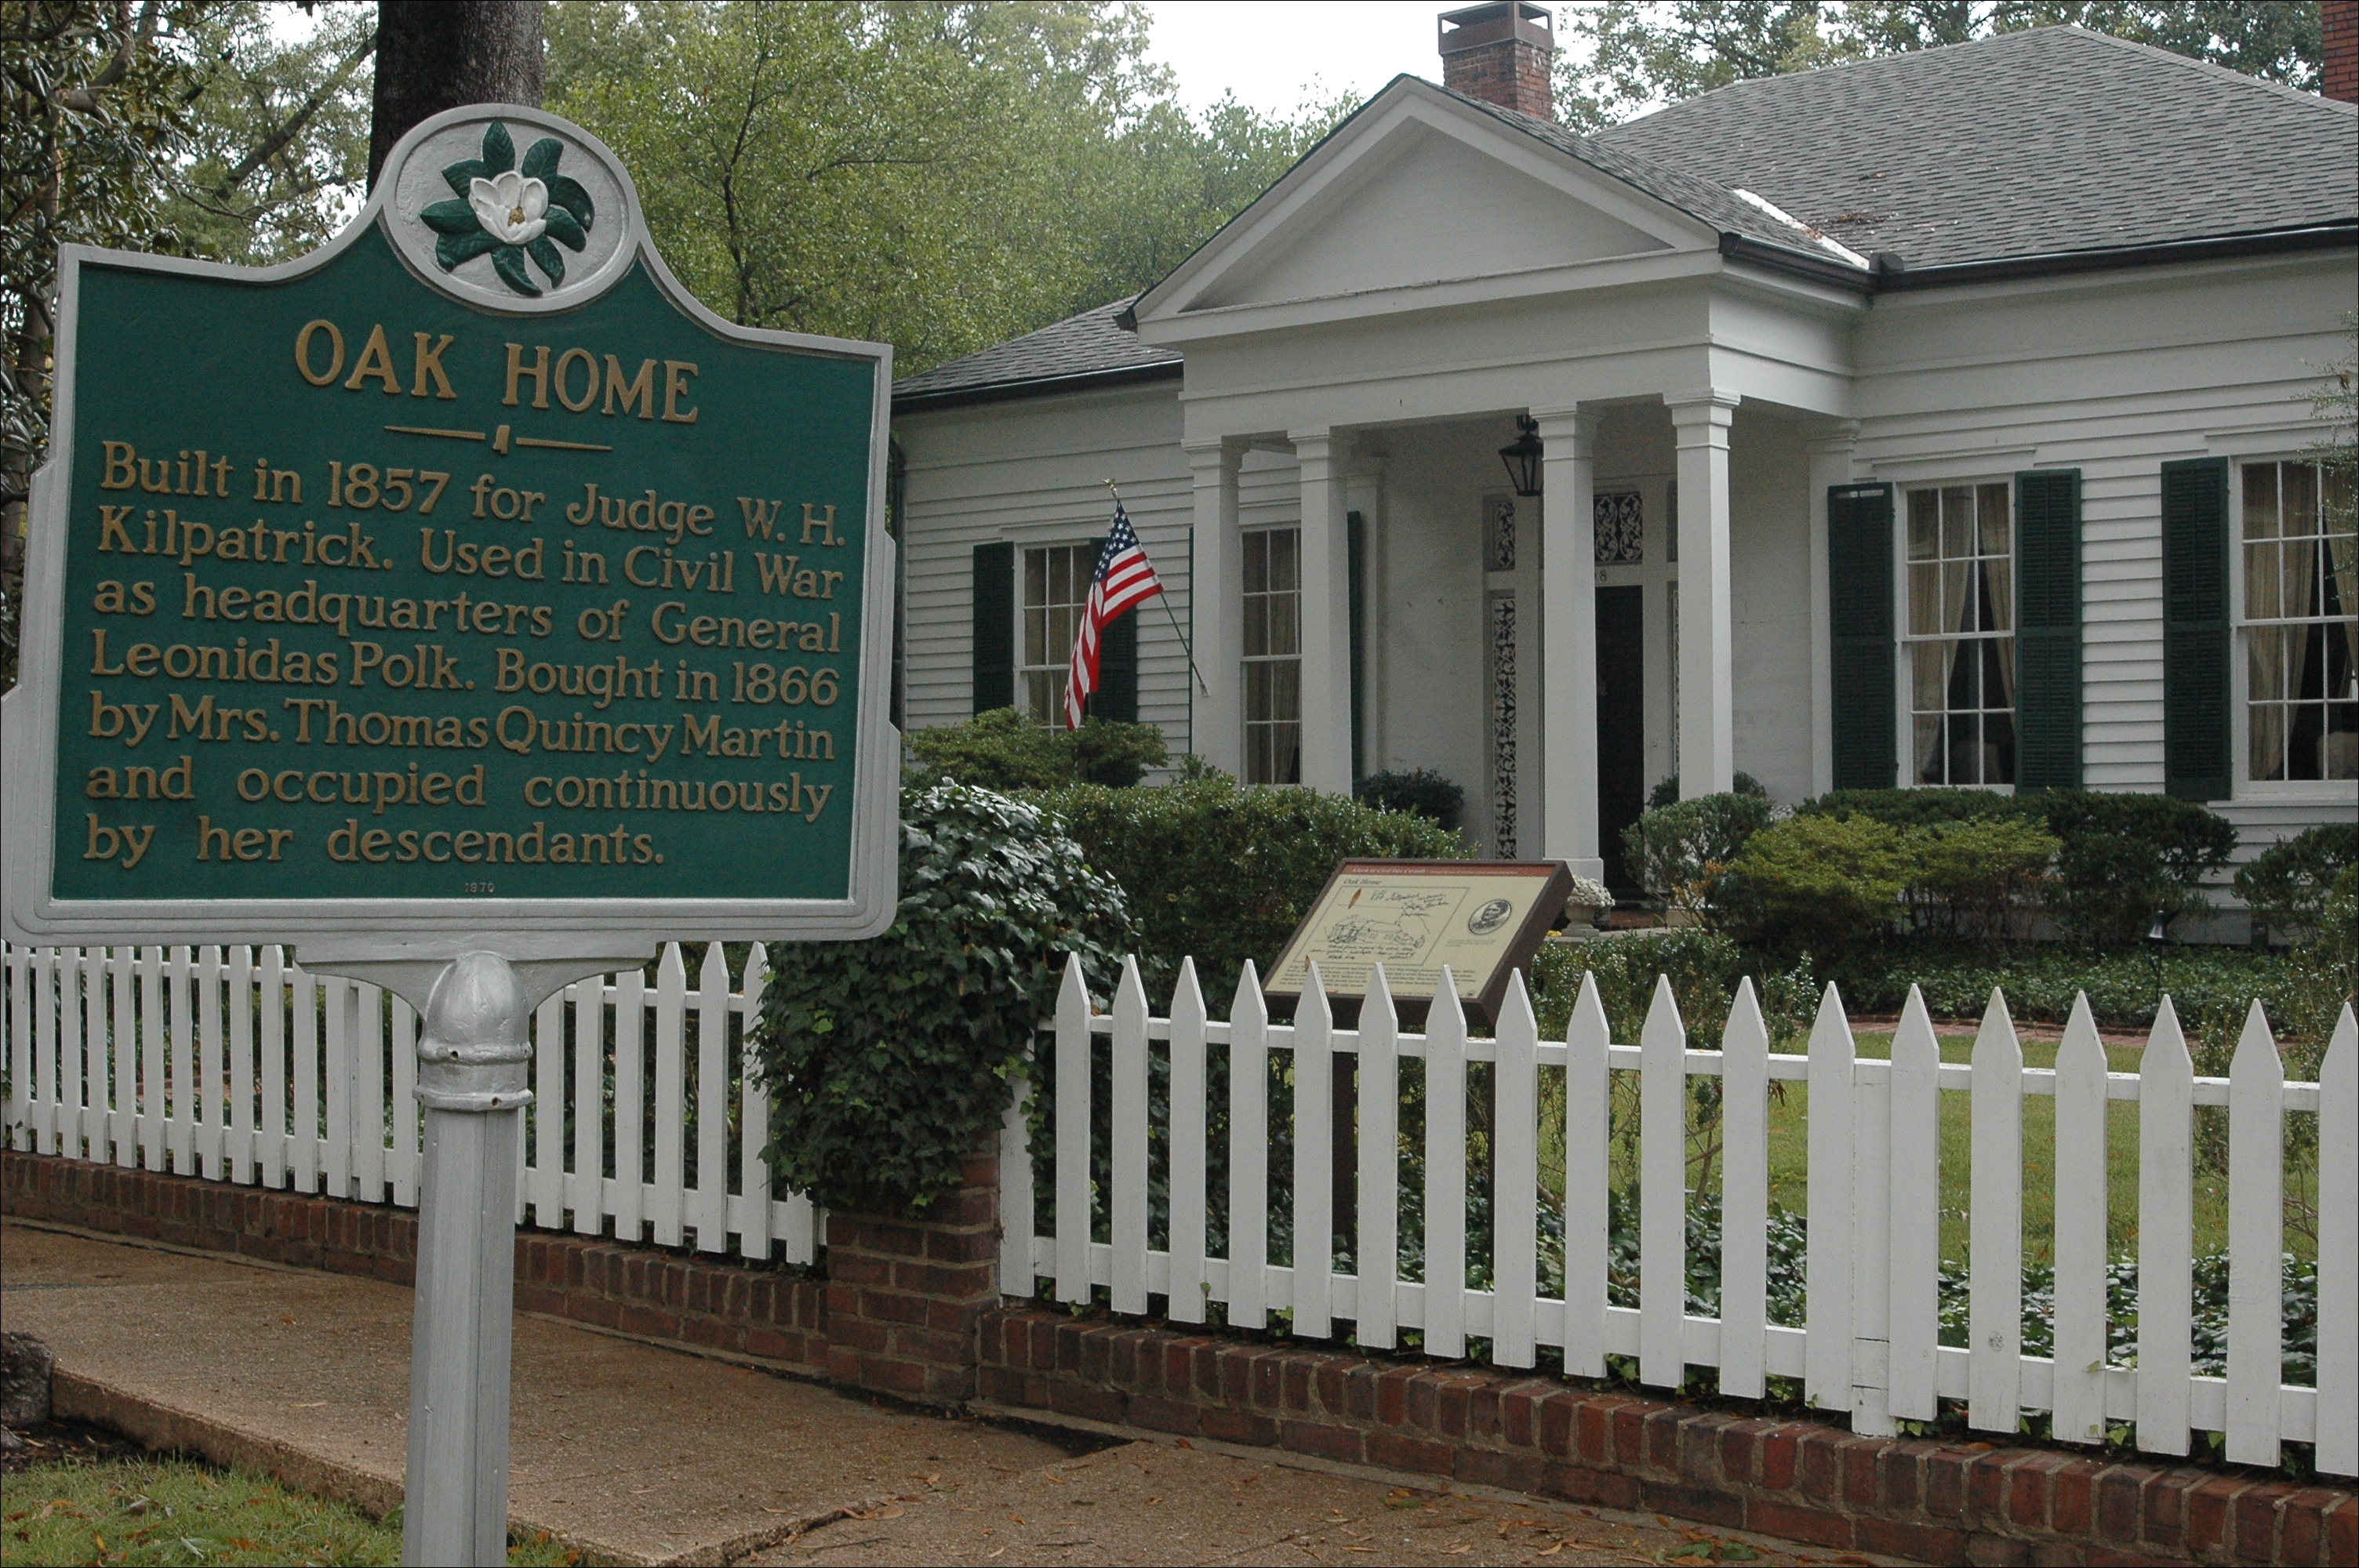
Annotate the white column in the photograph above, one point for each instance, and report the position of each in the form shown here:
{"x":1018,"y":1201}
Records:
{"x":1830,"y":464}
{"x":1216,"y":590}
{"x":1326,"y":612}
{"x":1568,"y":640}
{"x":1707,"y":663}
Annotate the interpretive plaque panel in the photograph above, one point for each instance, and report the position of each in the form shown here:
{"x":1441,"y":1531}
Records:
{"x":1483,"y":919}
{"x":466,"y":574}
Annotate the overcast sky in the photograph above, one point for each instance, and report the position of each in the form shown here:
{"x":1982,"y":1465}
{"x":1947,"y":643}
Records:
{"x":1269,"y":51}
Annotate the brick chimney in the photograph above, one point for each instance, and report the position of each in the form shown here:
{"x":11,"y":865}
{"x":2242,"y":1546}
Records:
{"x":1501,"y":54}
{"x":2339,"y":22}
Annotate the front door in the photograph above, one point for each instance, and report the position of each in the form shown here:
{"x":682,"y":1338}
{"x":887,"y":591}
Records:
{"x":1621,"y":724}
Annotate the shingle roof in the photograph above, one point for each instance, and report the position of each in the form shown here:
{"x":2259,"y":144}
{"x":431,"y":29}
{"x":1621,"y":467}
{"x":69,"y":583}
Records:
{"x":1087,"y":345}
{"x":2021,"y":144}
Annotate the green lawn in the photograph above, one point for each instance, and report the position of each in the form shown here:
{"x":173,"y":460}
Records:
{"x":177,"y":1511}
{"x":1790,"y":1156}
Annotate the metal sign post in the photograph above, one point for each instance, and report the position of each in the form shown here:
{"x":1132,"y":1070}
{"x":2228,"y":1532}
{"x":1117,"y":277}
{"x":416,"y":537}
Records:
{"x":467,"y":605}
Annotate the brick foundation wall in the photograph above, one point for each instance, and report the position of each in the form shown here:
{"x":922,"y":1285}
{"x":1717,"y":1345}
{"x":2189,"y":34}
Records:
{"x":912,"y":1309}
{"x":1936,"y":1502}
{"x":907,"y":1299}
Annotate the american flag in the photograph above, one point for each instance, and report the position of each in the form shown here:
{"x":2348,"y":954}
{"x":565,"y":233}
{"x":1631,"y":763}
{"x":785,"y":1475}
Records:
{"x":1125,"y":578}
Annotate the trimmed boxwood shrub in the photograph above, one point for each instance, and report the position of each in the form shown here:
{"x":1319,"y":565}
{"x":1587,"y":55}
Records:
{"x":1678,"y":853}
{"x":886,"y":1061}
{"x":1424,"y":791}
{"x":1667,"y":791}
{"x":2287,"y":884}
{"x":1003,"y":750}
{"x":1821,"y":883}
{"x":2122,"y":857}
{"x":1224,"y":872}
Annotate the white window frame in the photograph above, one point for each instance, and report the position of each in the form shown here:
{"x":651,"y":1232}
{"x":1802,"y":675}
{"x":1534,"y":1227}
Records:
{"x":1245,"y":723}
{"x":2341,"y":792}
{"x":1904,"y":684}
{"x":1060,"y":657}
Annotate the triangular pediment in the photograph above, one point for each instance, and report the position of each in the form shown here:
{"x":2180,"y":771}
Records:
{"x":1418,"y":189}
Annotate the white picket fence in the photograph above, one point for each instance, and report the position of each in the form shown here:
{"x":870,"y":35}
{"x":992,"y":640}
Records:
{"x":238,"y":1065}
{"x":1870,"y":1346}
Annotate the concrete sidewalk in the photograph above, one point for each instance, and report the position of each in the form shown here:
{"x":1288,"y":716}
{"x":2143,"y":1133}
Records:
{"x":638,"y":1454}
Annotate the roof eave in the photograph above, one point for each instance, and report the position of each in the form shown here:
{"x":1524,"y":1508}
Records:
{"x":1036,"y":386}
{"x":1888,"y":279}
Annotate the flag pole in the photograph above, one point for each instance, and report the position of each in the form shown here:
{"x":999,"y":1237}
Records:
{"x":1166,"y":598}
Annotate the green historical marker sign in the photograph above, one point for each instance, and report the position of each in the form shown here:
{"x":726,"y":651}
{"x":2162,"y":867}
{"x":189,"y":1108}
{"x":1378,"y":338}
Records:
{"x":465,"y":575}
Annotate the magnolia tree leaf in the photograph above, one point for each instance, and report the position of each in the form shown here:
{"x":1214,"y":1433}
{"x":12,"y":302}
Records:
{"x":508,"y":261}
{"x":563,"y":228}
{"x":548,"y":258}
{"x":451,"y":250}
{"x":451,"y":218}
{"x":566,"y":192}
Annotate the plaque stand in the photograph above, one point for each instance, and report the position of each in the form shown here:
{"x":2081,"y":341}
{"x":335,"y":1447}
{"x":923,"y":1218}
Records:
{"x":474,"y":1057}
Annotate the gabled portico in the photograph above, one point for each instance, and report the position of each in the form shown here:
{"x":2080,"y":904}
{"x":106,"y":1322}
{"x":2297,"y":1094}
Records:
{"x":1342,"y":325}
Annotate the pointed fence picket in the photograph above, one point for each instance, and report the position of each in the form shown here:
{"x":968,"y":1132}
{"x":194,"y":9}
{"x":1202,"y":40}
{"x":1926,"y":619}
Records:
{"x":236,"y":1065}
{"x":1870,"y":1342}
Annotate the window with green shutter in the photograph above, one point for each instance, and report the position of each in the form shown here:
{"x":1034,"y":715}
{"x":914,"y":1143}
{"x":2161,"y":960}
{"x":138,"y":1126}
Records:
{"x":2196,"y":721}
{"x":1859,"y":573}
{"x":2048,"y":629}
{"x":994,"y":626}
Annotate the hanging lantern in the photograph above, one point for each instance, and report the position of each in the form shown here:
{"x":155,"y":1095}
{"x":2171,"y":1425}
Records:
{"x":1522,"y":457}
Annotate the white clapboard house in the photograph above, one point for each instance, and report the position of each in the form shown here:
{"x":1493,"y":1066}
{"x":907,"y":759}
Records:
{"x":1942,"y":418}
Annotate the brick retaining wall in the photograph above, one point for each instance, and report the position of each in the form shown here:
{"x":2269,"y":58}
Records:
{"x":912,"y":1309}
{"x":1937,"y":1501}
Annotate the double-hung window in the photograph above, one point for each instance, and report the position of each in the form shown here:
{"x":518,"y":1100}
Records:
{"x":1273,"y":655}
{"x":1958,"y":643}
{"x":1056,"y":588}
{"x":2302,"y":642}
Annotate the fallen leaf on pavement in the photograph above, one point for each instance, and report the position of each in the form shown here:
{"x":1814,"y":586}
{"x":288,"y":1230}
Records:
{"x":1550,"y":1550}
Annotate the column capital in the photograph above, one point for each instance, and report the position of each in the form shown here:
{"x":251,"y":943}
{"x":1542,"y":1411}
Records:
{"x":1834,"y":436}
{"x":1706,"y":406}
{"x":1577,"y":425}
{"x":1213,"y":451}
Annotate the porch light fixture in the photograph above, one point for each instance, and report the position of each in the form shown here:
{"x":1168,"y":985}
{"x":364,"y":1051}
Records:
{"x":1522,"y":457}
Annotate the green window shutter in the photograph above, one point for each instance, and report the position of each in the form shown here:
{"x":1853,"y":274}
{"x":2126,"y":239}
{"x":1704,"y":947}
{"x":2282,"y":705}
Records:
{"x":2048,"y":629}
{"x":2196,"y":722}
{"x":994,"y":626}
{"x":1859,"y":584}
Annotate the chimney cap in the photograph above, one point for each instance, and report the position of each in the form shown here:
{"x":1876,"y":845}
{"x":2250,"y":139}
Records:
{"x":1471,"y":27}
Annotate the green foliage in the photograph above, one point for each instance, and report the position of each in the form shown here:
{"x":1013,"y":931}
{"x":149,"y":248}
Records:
{"x":1821,"y":883}
{"x":1916,"y":808}
{"x":1680,"y":851}
{"x":1423,"y":790}
{"x":887,"y":1061}
{"x":939,"y":177}
{"x":1667,"y":791}
{"x":1624,"y":57}
{"x":1226,"y":873}
{"x":175,"y":1511}
{"x":2334,"y":951}
{"x":2287,"y":884}
{"x":1972,"y":877}
{"x":2126,"y":857}
{"x":2119,"y":859}
{"x":1704,"y":968}
{"x":1003,"y":750}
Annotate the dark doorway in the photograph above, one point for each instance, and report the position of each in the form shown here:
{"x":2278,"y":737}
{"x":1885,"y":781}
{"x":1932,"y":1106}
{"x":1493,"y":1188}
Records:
{"x":1621,"y":724}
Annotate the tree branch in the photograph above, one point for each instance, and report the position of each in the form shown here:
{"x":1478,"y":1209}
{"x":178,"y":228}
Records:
{"x":271,"y":145}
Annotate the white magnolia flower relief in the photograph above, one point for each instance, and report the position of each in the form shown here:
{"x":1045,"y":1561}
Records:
{"x":510,"y":213}
{"x":510,"y":207}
